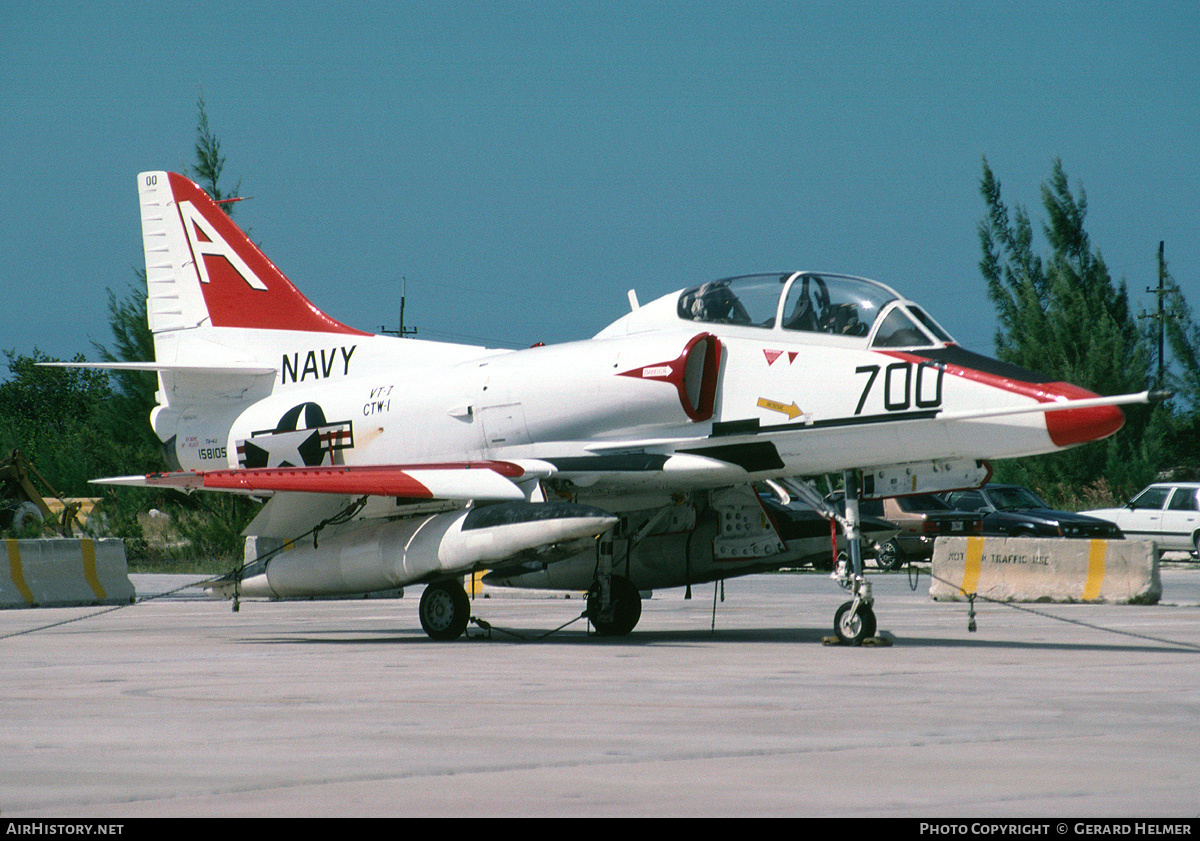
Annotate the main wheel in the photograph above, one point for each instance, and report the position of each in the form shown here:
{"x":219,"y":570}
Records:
{"x":626,"y":608}
{"x":889,"y":556}
{"x":852,"y":627}
{"x":445,"y":610}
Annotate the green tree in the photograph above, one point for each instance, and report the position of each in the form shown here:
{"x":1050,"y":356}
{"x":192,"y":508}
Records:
{"x":127,"y":415}
{"x":50,"y":413}
{"x":51,"y":398}
{"x":210,"y":162}
{"x":76,"y":424}
{"x":1182,"y":335}
{"x":1062,"y":315}
{"x":1183,"y":338}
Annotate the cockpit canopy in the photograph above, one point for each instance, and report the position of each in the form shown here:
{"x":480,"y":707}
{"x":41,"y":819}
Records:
{"x":815,"y":303}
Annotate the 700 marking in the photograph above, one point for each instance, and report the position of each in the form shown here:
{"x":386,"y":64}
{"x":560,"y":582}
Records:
{"x":901,"y":389}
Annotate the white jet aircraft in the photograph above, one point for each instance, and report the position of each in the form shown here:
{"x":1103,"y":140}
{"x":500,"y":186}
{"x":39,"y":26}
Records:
{"x":634,"y":460}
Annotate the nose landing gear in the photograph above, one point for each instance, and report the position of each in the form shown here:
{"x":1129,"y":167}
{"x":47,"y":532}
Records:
{"x":854,"y":621}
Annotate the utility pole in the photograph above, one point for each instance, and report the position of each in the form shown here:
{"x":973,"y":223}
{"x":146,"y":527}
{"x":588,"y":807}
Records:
{"x":1160,"y":317}
{"x":401,"y":332}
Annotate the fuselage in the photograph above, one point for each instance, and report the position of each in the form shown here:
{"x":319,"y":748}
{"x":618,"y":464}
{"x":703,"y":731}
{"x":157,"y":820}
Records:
{"x":703,"y":397}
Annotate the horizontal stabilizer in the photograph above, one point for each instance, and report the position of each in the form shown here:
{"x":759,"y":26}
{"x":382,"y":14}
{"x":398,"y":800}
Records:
{"x":488,"y":480}
{"x":229,"y":370}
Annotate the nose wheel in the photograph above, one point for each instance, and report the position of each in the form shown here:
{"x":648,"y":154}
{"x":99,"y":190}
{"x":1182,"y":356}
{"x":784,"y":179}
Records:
{"x":854,"y":623}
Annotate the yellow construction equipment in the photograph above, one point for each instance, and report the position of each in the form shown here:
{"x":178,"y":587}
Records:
{"x":23,"y":505}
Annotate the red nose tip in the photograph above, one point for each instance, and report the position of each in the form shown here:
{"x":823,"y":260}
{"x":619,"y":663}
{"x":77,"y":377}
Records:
{"x":1077,"y":426}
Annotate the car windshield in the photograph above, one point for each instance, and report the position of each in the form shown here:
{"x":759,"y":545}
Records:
{"x":922,"y":502}
{"x":1153,"y":497}
{"x":1004,"y":498}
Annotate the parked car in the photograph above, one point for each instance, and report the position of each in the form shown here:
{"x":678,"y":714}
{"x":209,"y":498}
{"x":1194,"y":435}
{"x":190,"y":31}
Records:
{"x":921,"y":519}
{"x":807,"y":531}
{"x":1014,"y":511}
{"x":1165,"y":512}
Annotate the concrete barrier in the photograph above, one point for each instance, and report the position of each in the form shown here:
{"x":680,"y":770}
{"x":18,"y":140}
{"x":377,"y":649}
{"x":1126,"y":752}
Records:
{"x":1030,"y":569}
{"x":58,"y":572}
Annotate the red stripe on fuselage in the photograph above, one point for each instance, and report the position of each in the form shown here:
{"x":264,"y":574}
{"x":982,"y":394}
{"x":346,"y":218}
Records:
{"x":1068,"y":427}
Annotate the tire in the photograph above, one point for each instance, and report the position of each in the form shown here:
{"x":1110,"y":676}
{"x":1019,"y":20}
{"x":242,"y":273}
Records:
{"x":853,"y":628}
{"x":890,"y":556}
{"x":626,"y":608}
{"x":26,"y":516}
{"x":445,"y":610}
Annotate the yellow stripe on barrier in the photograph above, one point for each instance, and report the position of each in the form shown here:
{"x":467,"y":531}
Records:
{"x":88,"y":549}
{"x":1095,"y":573}
{"x":15,"y":571}
{"x":972,"y":565}
{"x":475,"y":583}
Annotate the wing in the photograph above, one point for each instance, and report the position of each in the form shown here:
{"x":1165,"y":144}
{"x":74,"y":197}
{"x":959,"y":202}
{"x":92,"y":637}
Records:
{"x":484,"y":480}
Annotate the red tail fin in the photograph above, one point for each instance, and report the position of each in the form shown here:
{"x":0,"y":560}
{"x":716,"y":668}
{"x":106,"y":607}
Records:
{"x":202,"y":269}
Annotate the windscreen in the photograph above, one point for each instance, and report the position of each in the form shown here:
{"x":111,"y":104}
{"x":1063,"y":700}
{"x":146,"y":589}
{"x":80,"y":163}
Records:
{"x":748,"y":301}
{"x":832,"y":304}
{"x":843,"y":306}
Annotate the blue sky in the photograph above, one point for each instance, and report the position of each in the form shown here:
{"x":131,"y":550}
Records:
{"x":523,"y":164}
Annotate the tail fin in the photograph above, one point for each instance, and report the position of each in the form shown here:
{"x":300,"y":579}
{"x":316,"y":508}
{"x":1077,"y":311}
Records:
{"x":202,"y":271}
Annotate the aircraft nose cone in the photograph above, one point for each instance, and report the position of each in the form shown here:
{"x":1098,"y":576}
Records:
{"x":1077,"y":426}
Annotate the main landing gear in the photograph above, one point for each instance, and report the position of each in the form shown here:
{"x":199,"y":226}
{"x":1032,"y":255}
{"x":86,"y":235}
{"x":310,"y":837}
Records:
{"x":614,"y":605}
{"x":445,"y":610}
{"x":621,"y":614}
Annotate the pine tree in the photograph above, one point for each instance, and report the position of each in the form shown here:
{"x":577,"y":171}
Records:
{"x":1182,"y":335}
{"x":210,"y":162}
{"x":1063,"y":316}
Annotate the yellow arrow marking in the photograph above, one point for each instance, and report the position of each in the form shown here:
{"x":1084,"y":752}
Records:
{"x":792,"y":411}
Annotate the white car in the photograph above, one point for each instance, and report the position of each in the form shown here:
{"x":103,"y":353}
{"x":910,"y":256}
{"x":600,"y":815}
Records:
{"x":1165,"y":512}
